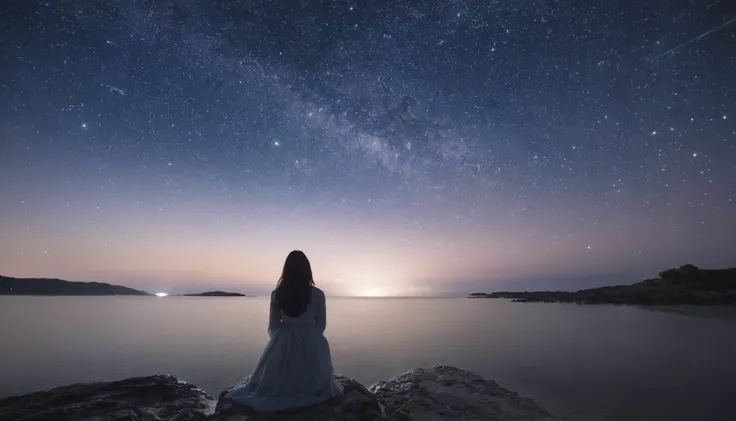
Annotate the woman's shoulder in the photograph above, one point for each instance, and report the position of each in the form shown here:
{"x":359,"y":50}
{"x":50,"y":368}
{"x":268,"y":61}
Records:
{"x":317,"y":292}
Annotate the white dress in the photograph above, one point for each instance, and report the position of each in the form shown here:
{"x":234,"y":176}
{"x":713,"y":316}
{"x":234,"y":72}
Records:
{"x":295,"y":369}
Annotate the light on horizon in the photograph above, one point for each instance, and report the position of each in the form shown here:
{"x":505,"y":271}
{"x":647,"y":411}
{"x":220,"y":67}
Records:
{"x":161,"y":294}
{"x":373,"y":291}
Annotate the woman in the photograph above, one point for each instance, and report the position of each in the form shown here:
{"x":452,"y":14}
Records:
{"x":295,"y":369}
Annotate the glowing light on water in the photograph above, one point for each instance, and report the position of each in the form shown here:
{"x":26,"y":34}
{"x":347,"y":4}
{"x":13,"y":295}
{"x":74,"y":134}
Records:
{"x":161,"y":294}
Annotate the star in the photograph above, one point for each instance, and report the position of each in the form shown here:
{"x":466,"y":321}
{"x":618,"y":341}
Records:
{"x":368,"y":134}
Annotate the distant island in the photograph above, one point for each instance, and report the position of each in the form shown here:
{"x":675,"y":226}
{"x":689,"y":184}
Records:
{"x":687,"y":284}
{"x":47,"y":286}
{"x":215,"y":294}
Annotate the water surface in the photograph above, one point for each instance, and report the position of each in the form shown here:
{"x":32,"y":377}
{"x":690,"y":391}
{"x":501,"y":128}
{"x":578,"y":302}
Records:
{"x":620,"y":363}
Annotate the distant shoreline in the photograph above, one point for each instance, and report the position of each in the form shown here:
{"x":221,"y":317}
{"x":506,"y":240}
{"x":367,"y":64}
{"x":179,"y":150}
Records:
{"x":213,"y":294}
{"x":684,"y":286}
{"x":53,"y":287}
{"x":60,"y":287}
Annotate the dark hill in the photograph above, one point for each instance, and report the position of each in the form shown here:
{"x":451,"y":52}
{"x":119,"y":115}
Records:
{"x":47,"y":286}
{"x":684,"y":285}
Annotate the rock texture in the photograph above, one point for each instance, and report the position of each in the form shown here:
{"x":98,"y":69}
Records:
{"x":357,"y":404}
{"x":435,"y":394}
{"x":450,"y":394}
{"x":149,"y":398}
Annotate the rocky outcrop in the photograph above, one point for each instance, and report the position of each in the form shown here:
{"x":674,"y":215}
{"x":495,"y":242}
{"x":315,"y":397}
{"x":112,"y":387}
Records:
{"x":149,"y":398}
{"x":357,"y":404}
{"x":436,"y":394}
{"x":450,"y":394}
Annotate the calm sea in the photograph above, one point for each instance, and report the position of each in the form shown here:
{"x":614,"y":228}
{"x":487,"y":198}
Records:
{"x":618,"y":363}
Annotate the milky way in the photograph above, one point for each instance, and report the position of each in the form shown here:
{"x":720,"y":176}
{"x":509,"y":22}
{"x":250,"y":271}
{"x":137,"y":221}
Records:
{"x":453,"y":144}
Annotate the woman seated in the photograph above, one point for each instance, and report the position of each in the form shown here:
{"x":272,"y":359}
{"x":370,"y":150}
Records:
{"x":295,"y":369}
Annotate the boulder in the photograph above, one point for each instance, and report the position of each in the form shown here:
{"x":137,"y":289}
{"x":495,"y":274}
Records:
{"x":436,"y":394}
{"x":148,"y":398}
{"x":444,"y":393}
{"x":357,"y":404}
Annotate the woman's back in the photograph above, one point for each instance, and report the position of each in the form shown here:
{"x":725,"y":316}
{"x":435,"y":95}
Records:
{"x":295,"y":369}
{"x":309,"y":312}
{"x":315,"y":313}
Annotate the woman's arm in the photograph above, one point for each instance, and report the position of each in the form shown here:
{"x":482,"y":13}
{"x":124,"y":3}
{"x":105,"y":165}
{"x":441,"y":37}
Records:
{"x":274,"y":316}
{"x":320,"y":317}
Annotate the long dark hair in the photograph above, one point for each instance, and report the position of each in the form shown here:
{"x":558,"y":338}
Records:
{"x":294,"y":290}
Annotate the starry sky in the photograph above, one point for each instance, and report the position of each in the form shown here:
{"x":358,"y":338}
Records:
{"x":408,"y":147}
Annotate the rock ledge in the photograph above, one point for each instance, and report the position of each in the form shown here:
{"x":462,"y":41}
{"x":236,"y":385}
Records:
{"x":451,"y":394}
{"x":438,"y":393}
{"x":150,"y":398}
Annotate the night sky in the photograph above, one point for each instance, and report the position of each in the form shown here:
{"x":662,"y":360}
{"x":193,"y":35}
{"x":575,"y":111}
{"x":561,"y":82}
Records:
{"x":431,"y":147}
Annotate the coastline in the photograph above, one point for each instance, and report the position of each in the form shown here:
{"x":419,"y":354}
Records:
{"x":676,"y":289}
